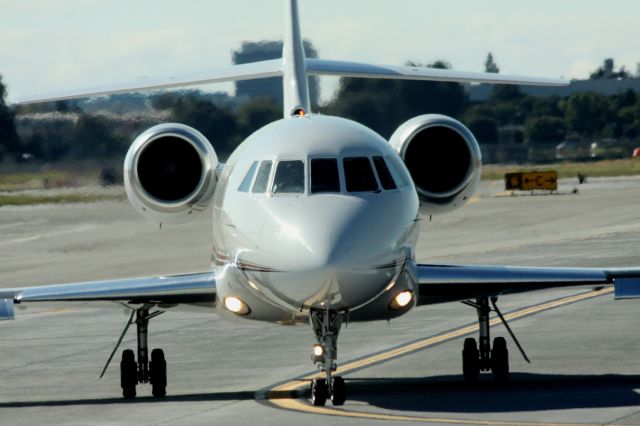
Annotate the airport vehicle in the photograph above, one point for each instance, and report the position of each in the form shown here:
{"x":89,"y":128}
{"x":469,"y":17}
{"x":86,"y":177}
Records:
{"x":315,"y":219}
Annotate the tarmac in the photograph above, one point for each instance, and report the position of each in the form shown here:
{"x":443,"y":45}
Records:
{"x":584,"y":370}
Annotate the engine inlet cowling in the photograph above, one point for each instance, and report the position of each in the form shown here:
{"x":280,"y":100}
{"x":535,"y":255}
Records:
{"x":170,"y":173}
{"x":443,"y":158}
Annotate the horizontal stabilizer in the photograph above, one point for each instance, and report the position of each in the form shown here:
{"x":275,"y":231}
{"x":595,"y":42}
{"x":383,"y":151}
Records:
{"x":357,"y":69}
{"x":255,"y":70}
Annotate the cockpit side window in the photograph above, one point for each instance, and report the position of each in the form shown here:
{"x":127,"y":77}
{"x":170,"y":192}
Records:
{"x":397,"y":176}
{"x":359,"y":175}
{"x":246,"y":182}
{"x":324,"y":175}
{"x":386,"y":180}
{"x":262,"y":180}
{"x":289,"y":177}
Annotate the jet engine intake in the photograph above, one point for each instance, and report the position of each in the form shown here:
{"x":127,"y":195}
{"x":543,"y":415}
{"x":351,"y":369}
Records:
{"x":170,"y":173}
{"x":443,"y":158}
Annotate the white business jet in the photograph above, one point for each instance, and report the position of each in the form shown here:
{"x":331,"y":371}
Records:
{"x":315,"y":219}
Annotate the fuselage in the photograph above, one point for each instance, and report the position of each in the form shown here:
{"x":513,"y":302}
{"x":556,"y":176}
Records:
{"x":314,"y":212}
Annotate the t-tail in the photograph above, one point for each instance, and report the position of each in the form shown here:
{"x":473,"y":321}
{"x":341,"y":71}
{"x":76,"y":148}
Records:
{"x":295,"y":70}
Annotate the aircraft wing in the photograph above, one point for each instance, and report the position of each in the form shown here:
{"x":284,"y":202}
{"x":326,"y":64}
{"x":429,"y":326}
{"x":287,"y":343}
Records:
{"x":358,"y":69}
{"x":163,"y":290}
{"x":255,"y":70}
{"x":446,"y":283}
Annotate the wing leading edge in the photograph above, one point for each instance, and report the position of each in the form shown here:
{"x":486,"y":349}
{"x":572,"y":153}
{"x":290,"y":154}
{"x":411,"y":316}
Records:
{"x":251,"y":71}
{"x":365,"y":70}
{"x":198,"y":288}
{"x":446,"y":283}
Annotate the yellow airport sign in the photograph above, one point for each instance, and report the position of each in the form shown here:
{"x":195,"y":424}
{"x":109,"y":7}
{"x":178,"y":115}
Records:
{"x":529,"y":181}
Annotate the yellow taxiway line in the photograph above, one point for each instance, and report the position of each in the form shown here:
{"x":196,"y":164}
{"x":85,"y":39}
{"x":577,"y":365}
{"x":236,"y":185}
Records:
{"x":282,"y":395}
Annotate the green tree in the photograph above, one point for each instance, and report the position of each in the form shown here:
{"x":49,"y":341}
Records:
{"x":588,"y":113}
{"x":490,"y":64}
{"x":216,"y":124}
{"x":485,"y":130}
{"x":385,"y":104}
{"x":255,"y":114}
{"x":544,"y":130}
{"x":9,"y":142}
{"x":94,"y":138}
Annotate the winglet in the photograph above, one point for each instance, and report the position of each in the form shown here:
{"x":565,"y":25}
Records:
{"x":627,"y":287}
{"x":6,"y":306}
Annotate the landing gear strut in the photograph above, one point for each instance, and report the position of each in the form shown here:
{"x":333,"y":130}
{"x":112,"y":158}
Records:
{"x":326,"y":325}
{"x":484,"y":357}
{"x":142,"y":371}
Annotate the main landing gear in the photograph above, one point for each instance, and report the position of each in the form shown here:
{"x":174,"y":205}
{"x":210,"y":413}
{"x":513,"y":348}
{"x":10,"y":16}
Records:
{"x":326,"y":325}
{"x":484,"y":357}
{"x":143,"y":371}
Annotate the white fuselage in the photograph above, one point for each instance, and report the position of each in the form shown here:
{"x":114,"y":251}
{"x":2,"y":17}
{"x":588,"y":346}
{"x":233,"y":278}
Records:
{"x":285,"y":251}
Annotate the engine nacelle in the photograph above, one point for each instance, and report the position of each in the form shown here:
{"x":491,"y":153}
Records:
{"x":443,"y":158}
{"x":170,"y":173}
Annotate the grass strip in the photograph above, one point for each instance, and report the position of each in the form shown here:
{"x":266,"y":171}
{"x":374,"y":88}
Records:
{"x":30,"y":199}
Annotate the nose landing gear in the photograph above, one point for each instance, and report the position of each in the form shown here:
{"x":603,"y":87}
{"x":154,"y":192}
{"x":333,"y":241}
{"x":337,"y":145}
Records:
{"x":326,"y":326}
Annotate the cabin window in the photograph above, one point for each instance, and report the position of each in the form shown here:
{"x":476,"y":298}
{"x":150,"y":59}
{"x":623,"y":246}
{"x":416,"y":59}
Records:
{"x":358,"y":175}
{"x":324,"y":175}
{"x":246,"y":182}
{"x":262,"y":180}
{"x":386,"y":180}
{"x":289,"y":178}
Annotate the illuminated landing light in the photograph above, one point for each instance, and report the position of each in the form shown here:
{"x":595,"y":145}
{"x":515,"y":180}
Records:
{"x":318,"y":350}
{"x":317,"y":353}
{"x":299,"y":112}
{"x":401,"y":300}
{"x":236,"y":305}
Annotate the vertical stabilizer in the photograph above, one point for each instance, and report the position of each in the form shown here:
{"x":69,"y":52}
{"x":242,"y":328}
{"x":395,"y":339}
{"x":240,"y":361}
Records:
{"x":294,"y":79}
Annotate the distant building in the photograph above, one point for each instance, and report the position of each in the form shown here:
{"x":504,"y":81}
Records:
{"x":269,"y":87}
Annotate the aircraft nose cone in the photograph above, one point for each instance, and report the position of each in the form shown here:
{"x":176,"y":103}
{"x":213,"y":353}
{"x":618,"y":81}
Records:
{"x":316,"y":238}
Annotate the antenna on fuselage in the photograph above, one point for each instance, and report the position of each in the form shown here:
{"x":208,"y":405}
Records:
{"x":295,"y":86}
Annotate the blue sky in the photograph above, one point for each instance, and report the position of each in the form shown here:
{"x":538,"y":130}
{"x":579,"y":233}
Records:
{"x":52,"y":45}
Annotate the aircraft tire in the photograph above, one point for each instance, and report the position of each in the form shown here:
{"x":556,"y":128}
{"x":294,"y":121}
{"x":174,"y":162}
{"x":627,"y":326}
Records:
{"x":339,"y":395}
{"x":319,"y":392}
{"x":128,"y":374}
{"x":158,"y":373}
{"x":500,"y":360}
{"x":470,"y":361}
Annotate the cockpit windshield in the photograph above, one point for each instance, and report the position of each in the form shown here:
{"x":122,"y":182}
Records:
{"x":246,"y":182}
{"x":289,"y":177}
{"x":262,"y":180}
{"x":358,"y":175}
{"x":383,"y":173}
{"x":324,"y":175}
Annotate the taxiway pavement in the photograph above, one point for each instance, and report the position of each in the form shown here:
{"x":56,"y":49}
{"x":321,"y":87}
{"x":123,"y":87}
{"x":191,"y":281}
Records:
{"x":585,"y":366}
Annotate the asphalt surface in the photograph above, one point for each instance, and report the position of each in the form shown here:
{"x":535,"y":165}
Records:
{"x":585,"y":366}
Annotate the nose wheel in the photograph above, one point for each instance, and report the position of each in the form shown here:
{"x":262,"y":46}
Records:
{"x":326,"y":325}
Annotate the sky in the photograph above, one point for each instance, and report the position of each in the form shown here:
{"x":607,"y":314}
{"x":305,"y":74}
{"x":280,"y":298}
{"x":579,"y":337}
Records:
{"x":52,"y":45}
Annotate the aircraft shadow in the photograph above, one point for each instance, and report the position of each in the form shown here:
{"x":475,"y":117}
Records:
{"x":197,"y":397}
{"x":524,"y":392}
